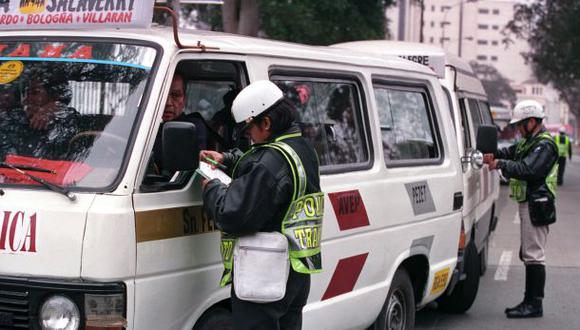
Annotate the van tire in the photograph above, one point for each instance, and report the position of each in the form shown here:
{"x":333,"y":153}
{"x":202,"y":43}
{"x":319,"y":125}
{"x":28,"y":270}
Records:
{"x":398,"y":312}
{"x":218,"y":318}
{"x":464,"y":293}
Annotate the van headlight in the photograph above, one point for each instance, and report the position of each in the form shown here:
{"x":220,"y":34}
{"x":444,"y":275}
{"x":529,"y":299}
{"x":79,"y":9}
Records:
{"x":59,"y":313}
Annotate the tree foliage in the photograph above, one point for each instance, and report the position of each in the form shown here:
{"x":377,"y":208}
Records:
{"x":324,"y":22}
{"x":495,"y":84}
{"x":320,"y":22}
{"x":552,"y":29}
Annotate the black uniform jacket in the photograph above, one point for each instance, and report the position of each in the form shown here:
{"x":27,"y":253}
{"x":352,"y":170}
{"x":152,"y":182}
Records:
{"x":533,"y":167}
{"x":261,"y":190}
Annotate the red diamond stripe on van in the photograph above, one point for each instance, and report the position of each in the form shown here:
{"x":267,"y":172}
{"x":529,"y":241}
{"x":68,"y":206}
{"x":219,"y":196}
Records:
{"x":345,"y":276}
{"x":349,"y":209}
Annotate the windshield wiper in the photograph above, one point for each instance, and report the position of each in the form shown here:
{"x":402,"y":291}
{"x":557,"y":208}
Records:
{"x":27,"y":168}
{"x":51,"y":186}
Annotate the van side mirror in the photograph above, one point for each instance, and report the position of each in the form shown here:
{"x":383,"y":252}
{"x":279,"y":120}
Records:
{"x":180,"y":147}
{"x":487,"y":139}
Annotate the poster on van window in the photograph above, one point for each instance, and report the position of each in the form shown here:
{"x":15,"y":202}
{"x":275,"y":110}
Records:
{"x":63,"y":14}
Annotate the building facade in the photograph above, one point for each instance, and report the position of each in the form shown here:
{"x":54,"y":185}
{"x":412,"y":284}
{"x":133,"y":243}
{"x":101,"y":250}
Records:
{"x":557,"y":112}
{"x":470,"y":29}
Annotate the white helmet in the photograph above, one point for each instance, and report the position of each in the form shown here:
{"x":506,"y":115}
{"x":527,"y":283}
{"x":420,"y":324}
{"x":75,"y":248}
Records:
{"x":527,"y":109}
{"x":562,"y":129}
{"x":256,"y":98}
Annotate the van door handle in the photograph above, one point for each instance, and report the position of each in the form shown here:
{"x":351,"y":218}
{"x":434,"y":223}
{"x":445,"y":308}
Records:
{"x":457,"y":200}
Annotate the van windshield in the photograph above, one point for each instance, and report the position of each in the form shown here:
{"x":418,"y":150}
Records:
{"x":67,"y":109}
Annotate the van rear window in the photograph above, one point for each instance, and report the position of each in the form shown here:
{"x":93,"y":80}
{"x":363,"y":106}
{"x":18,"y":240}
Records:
{"x":329,"y":114}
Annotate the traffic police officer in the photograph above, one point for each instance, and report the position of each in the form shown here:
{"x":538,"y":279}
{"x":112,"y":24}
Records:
{"x":564,"y":151}
{"x":272,"y":183}
{"x":531,"y":165}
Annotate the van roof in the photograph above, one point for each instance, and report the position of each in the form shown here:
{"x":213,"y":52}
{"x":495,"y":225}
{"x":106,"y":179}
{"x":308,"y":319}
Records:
{"x":466,"y":80}
{"x":232,"y":43}
{"x":403,"y":48}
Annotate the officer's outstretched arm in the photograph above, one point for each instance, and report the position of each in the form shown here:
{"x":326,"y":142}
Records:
{"x":538,"y":163}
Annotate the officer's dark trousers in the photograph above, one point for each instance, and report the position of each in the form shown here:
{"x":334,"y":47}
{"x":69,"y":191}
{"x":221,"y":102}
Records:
{"x":561,"y":168}
{"x":283,"y":314}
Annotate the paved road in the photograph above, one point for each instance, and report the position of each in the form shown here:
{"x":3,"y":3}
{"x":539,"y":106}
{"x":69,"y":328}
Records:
{"x":562,"y":301}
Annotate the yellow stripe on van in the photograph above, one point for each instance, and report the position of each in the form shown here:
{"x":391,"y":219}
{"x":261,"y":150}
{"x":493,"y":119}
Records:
{"x":171,"y":223}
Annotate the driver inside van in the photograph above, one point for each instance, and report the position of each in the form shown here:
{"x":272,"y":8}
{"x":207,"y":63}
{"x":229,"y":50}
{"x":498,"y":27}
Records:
{"x":44,"y":125}
{"x":174,"y":111}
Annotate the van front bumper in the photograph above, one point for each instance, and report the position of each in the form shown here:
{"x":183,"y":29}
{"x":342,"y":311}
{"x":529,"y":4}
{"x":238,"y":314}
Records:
{"x":458,"y":273}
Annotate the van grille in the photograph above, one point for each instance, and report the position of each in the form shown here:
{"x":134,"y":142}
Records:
{"x":21,"y":298}
{"x":14,"y":308}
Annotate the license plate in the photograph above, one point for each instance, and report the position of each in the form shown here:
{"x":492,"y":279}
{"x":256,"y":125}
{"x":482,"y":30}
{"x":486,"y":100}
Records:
{"x":440,"y":280}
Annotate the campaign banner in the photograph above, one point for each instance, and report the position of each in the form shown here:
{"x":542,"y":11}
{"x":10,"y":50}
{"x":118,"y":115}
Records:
{"x":59,"y":14}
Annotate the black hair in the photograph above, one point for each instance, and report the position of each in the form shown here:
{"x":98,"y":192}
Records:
{"x":60,"y":91}
{"x":338,"y":103}
{"x":282,"y":115}
{"x":54,"y":81}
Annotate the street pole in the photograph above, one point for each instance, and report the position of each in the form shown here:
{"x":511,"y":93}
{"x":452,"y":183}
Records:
{"x":402,"y":20}
{"x":422,"y":3}
{"x":460,"y":28}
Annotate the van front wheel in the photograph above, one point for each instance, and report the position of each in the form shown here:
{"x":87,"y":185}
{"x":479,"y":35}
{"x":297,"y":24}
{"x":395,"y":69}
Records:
{"x":217,"y":318}
{"x":398,"y":312}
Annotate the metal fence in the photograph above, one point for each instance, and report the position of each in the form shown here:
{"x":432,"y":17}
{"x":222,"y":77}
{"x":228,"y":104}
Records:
{"x":99,"y":97}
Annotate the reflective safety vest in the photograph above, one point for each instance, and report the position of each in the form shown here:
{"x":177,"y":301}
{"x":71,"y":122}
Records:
{"x":563,"y":145}
{"x":518,"y":188}
{"x":302,"y":222}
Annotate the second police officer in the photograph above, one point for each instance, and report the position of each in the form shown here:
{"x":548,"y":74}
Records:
{"x":270,"y":183}
{"x":565,"y":151}
{"x":531,"y":165}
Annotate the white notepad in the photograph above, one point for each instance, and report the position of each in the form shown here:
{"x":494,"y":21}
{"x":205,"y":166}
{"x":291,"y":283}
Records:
{"x":207,"y":172}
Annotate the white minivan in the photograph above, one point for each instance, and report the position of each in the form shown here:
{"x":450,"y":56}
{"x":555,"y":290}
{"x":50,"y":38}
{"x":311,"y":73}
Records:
{"x":470,"y":109}
{"x":93,"y":235}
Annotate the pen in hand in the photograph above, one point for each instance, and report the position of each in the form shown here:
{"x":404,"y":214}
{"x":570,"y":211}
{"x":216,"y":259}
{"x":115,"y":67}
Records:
{"x":216,"y":164}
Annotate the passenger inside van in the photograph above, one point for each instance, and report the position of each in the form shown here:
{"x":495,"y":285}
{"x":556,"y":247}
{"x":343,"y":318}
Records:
{"x":45,"y":125}
{"x":223,"y":131}
{"x":299,"y":94}
{"x":344,"y":147}
{"x":8,"y":97}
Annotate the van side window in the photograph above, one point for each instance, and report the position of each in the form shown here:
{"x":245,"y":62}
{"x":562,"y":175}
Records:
{"x":406,"y":126}
{"x":465,"y":124}
{"x":475,"y":114}
{"x":206,"y":91}
{"x":485,"y":113}
{"x":329,"y":114}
